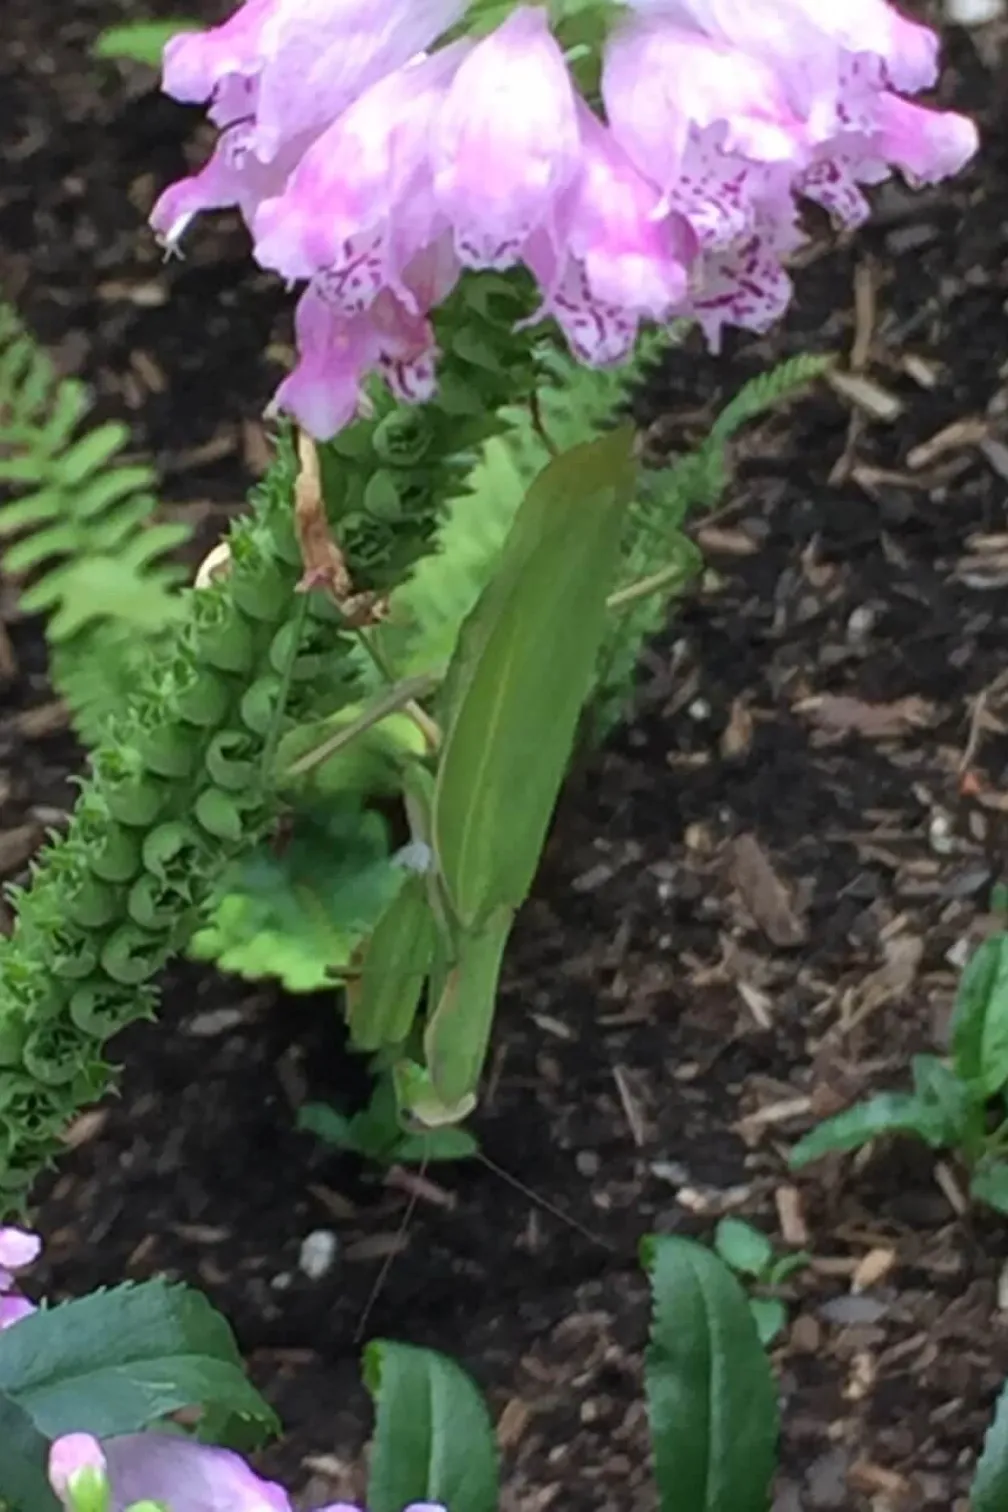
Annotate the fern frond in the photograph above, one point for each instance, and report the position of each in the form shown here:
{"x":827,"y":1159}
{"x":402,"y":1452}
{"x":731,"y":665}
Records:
{"x":79,"y":520}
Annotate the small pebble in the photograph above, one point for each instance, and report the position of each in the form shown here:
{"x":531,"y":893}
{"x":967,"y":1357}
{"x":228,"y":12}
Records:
{"x":318,"y":1253}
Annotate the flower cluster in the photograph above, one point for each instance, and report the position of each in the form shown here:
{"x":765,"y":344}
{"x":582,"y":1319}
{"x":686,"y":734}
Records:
{"x":376,"y":155}
{"x":162,"y":1472}
{"x":18,"y":1250}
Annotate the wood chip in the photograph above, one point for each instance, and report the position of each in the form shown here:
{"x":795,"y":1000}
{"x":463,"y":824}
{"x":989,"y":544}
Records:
{"x":840,"y":714}
{"x":793,"y":1227}
{"x":866,"y":395}
{"x":764,"y":894}
{"x":512,"y":1423}
{"x":872,"y":1268}
{"x":954,"y":437}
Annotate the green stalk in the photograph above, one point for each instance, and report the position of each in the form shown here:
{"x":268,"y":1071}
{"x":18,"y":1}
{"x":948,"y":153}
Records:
{"x":183,"y":782}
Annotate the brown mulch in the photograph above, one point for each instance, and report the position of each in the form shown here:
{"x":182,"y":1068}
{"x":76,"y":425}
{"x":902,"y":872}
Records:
{"x":753,"y":909}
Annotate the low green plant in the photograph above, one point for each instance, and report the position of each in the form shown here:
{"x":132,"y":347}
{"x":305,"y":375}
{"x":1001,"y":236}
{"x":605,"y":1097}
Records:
{"x":376,"y":1133}
{"x":751,"y":1255}
{"x":959,"y":1104}
{"x":82,"y":521}
{"x":117,"y":1362}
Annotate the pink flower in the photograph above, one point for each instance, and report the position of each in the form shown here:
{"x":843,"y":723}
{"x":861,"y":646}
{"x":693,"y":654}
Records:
{"x":805,"y":38}
{"x":711,"y":127}
{"x":175,"y":1472}
{"x":336,"y":351}
{"x":745,"y":285}
{"x":277,"y":74}
{"x":622,"y":258}
{"x":360,"y":203}
{"x":160,"y":1467}
{"x":506,"y":145}
{"x":78,"y":1472}
{"x":18,"y":1250}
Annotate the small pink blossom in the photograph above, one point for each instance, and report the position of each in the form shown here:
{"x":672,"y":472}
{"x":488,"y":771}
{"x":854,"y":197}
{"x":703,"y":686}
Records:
{"x":360,"y":204}
{"x":78,"y":1471}
{"x":746,"y":285}
{"x":18,"y":1250}
{"x":276,"y":75}
{"x":506,"y":146}
{"x":708,"y":125}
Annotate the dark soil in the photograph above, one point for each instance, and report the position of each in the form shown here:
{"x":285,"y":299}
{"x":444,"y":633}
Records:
{"x":754,"y":904}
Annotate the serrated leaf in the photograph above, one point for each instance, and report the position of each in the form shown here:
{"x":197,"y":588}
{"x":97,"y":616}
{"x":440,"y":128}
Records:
{"x":743,"y":1247}
{"x":888,"y":1113}
{"x":116,"y":1361}
{"x":433,"y":1439}
{"x":989,"y":1491}
{"x":24,"y":1483}
{"x":980,"y":1018}
{"x":712,"y":1399}
{"x":522,"y":671}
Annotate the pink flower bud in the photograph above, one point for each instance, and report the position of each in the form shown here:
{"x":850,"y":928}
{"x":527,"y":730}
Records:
{"x":506,"y":144}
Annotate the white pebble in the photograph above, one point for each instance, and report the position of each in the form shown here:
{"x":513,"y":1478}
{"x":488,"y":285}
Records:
{"x":318,"y":1252}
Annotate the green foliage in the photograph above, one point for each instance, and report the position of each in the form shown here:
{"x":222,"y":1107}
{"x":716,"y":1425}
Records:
{"x":433,"y":1440}
{"x":989,"y":1491}
{"x":376,"y":1134}
{"x":24,"y":1482}
{"x":712,"y":1400}
{"x":82,"y":519}
{"x":111,"y":1363}
{"x":948,"y":1107}
{"x":656,"y":550}
{"x":750,"y":1254}
{"x":184,"y":780}
{"x":139,"y":41}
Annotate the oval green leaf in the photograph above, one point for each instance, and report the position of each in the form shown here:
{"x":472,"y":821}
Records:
{"x":989,"y":1491}
{"x":980,"y":1018}
{"x":712,"y":1398}
{"x":433,"y":1439}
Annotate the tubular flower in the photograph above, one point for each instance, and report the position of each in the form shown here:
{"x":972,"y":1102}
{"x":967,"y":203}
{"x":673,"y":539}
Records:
{"x":377,"y":165}
{"x":168,"y":1471}
{"x":18,"y":1250}
{"x":360,"y":204}
{"x":276,"y":75}
{"x":506,"y":144}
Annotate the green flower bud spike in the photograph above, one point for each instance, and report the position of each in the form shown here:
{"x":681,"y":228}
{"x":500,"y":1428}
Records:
{"x":184,"y":781}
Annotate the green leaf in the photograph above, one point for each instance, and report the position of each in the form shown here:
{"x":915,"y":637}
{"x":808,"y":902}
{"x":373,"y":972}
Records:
{"x":116,"y":1361}
{"x":786,"y":1266}
{"x":433,"y":1440}
{"x":435,"y":1145}
{"x":956,"y":1108}
{"x":888,"y":1113}
{"x":989,"y":1491}
{"x":327,"y":1124}
{"x":523,"y":668}
{"x":24,"y":1483}
{"x":140,"y":41}
{"x":712,"y":1399}
{"x":980,"y":1018}
{"x":743,"y":1247}
{"x":770,"y":1316}
{"x":989,"y":1183}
